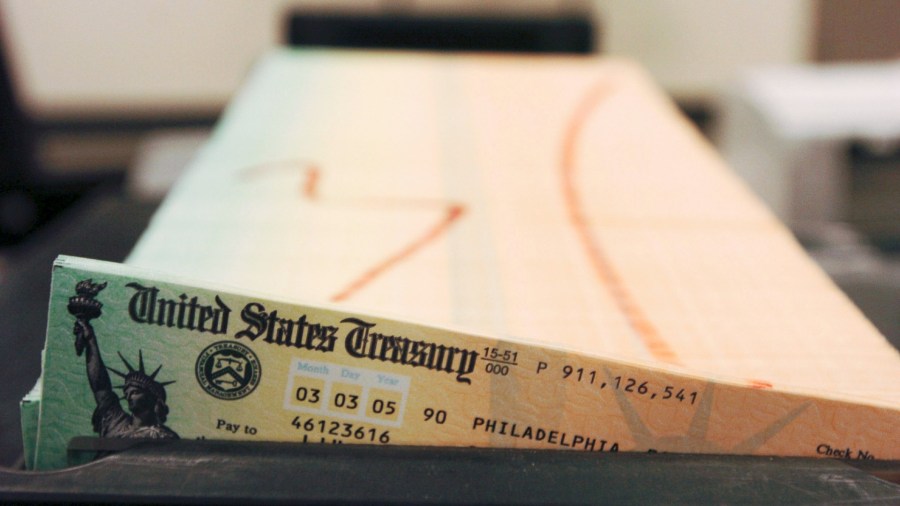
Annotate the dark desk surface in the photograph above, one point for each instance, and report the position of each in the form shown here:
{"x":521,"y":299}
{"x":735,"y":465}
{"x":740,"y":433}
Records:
{"x":212,"y":472}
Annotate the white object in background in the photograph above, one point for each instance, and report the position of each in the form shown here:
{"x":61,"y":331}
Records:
{"x":785,"y":131}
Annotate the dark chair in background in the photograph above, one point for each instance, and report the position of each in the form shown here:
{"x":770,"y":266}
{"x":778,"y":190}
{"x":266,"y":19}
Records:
{"x":559,"y":34}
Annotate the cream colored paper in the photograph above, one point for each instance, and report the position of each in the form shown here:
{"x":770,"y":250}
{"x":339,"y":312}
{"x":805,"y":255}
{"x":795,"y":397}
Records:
{"x":560,"y":200}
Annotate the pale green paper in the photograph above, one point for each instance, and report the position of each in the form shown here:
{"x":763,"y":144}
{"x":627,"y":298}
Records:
{"x":29,"y":411}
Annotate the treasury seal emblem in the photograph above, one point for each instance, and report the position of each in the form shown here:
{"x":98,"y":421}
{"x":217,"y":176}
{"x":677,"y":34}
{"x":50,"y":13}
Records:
{"x":228,"y":370}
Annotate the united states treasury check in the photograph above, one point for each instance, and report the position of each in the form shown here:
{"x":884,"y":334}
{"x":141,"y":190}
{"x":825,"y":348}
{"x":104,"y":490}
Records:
{"x":130,"y":354}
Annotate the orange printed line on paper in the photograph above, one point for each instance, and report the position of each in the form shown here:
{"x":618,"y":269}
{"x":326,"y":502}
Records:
{"x":310,"y":186}
{"x":603,"y":268}
{"x":309,"y":189}
{"x":454,"y":212}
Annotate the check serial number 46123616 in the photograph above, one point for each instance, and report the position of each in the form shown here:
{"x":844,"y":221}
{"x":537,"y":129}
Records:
{"x":344,"y":430}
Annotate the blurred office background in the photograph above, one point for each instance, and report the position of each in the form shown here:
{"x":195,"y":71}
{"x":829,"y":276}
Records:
{"x":96,"y":76}
{"x":102,"y":102}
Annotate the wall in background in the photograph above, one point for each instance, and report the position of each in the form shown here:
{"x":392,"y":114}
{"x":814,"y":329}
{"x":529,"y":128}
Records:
{"x":151,"y":57}
{"x":848,"y":31}
{"x":695,"y":48}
